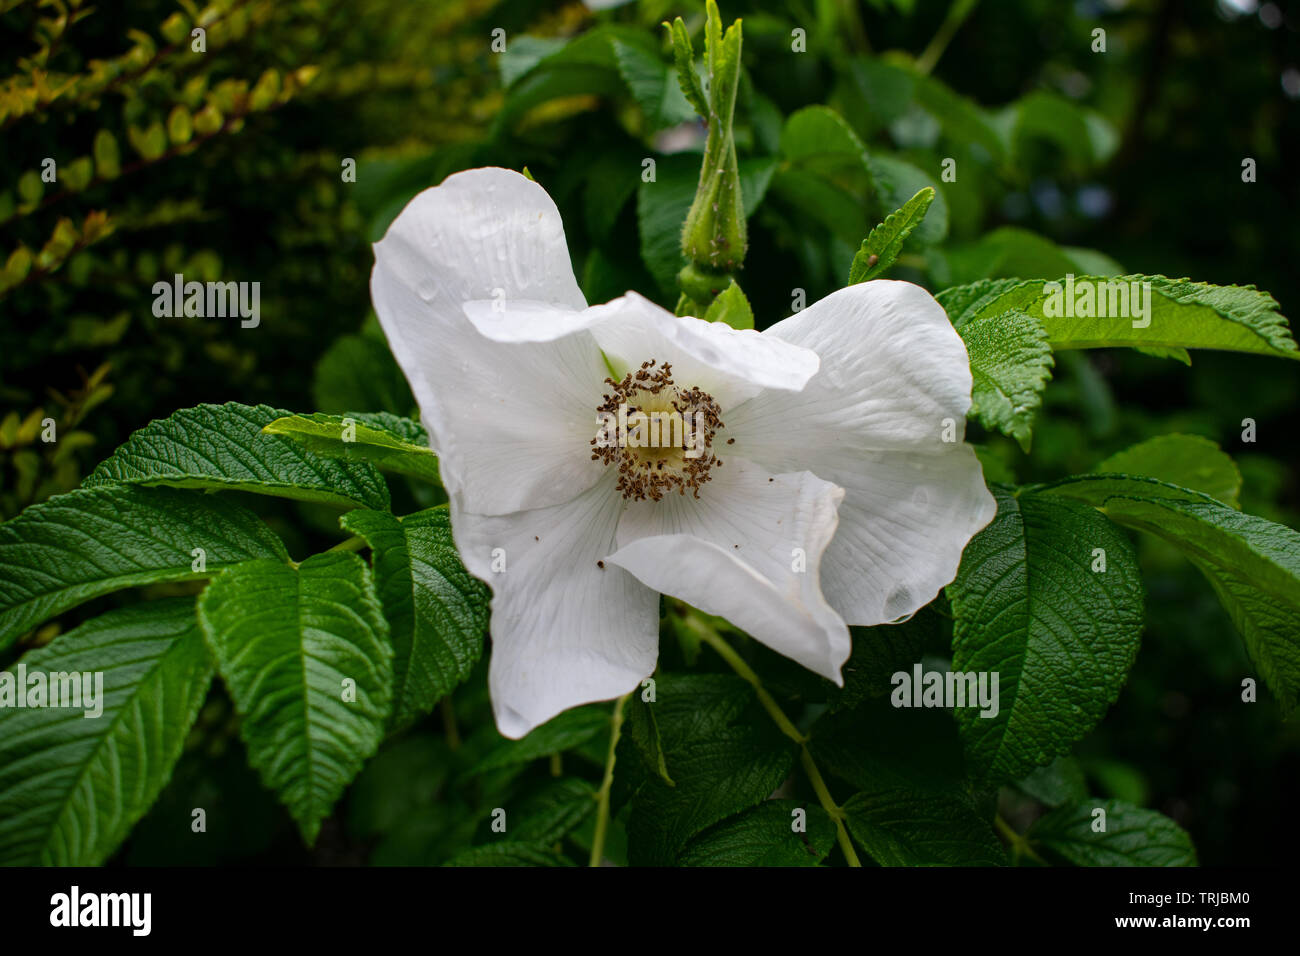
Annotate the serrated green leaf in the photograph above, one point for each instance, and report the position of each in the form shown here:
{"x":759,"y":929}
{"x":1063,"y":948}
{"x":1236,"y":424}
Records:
{"x":387,"y":442}
{"x":721,"y":763}
{"x":93,"y":541}
{"x":684,"y":61}
{"x":564,"y":732}
{"x":71,"y":787}
{"x":1252,"y":564}
{"x":436,"y":610}
{"x":731,"y":308}
{"x":1188,"y":461}
{"x":1028,"y":605}
{"x":585,"y":66}
{"x":1183,"y":315}
{"x":551,"y":812}
{"x":1061,"y":781}
{"x":224,"y":448}
{"x":879,"y":653}
{"x":508,"y":853}
{"x":652,"y":85}
{"x":896,"y":181}
{"x":1010,"y":363}
{"x":882,"y":247}
{"x":763,"y":836}
{"x":286,"y":641}
{"x":902,"y":825}
{"x":827,"y":175}
{"x":876,"y":741}
{"x":641,"y":727}
{"x":1133,"y":836}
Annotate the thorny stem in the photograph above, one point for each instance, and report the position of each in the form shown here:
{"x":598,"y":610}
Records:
{"x":737,"y":663}
{"x":602,"y":795}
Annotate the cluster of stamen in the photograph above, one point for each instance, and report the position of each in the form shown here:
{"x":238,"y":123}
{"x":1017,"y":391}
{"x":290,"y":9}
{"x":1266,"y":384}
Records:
{"x":650,"y":471}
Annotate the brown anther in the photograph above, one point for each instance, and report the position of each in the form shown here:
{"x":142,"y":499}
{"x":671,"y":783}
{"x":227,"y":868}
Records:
{"x":649,"y":471}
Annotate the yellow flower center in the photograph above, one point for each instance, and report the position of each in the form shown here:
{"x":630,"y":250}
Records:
{"x":657,"y":433}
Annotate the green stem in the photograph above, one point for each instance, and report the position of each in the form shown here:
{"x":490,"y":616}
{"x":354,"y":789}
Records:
{"x":1019,"y":845}
{"x":737,"y":663}
{"x":957,"y":14}
{"x":602,"y":795}
{"x":449,"y":722}
{"x":351,"y":544}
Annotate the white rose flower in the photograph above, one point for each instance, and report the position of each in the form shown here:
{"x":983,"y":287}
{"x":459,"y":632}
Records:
{"x":812,"y":489}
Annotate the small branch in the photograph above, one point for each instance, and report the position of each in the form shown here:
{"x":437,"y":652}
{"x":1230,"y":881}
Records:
{"x":728,"y":653}
{"x":448,"y":712}
{"x":602,"y":795}
{"x":957,"y":14}
{"x":351,"y":544}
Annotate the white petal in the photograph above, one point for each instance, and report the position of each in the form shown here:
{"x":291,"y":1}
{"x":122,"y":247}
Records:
{"x":511,"y":423}
{"x":730,"y":364}
{"x":872,"y":421}
{"x":893,"y":370}
{"x":735,"y":552}
{"x":904,"y":522}
{"x":564,"y":630}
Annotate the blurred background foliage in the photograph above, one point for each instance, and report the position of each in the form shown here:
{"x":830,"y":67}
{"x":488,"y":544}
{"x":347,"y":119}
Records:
{"x":227,"y":164}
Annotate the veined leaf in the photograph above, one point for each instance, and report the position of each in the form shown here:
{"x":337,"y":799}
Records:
{"x":902,"y":825}
{"x":1253,"y":564}
{"x":882,"y":247}
{"x":896,"y":180}
{"x":305,"y":654}
{"x":653,"y":85}
{"x":1061,"y":781}
{"x":1132,"y":836}
{"x":684,"y":60}
{"x":764,"y":836}
{"x":509,"y":853}
{"x":74,"y":547}
{"x":436,"y":610}
{"x":1183,"y":314}
{"x":72,"y":786}
{"x":388,"y":442}
{"x":827,"y":174}
{"x":731,"y":308}
{"x":564,"y":732}
{"x":552,"y":811}
{"x":1032,"y":604}
{"x":222,"y":447}
{"x":1010,"y":363}
{"x":1188,"y":461}
{"x":640,"y":726}
{"x":722,"y":763}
